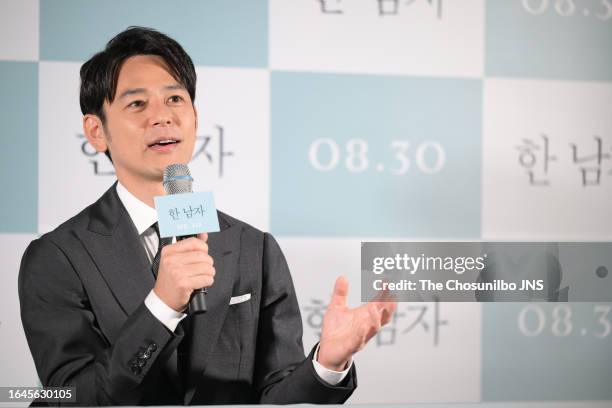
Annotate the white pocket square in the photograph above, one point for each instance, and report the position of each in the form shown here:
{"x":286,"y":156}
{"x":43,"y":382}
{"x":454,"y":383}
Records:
{"x":239,"y":299}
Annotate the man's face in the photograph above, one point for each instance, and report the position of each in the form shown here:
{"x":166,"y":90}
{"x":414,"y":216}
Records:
{"x":151,"y":123}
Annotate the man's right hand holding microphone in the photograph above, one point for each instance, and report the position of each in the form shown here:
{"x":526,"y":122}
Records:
{"x":184,"y":267}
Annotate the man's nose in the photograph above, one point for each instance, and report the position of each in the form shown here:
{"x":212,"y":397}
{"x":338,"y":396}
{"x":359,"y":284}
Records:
{"x":160,"y":114}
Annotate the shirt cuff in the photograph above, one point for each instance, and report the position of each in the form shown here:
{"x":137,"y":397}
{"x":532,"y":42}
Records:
{"x":164,"y":313}
{"x":329,"y":376}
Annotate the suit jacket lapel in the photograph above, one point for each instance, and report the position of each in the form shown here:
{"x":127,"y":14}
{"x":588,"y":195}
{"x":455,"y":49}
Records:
{"x":204,"y":328}
{"x":115,"y":246}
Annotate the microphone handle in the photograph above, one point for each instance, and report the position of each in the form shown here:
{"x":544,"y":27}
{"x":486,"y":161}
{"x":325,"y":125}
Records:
{"x":197,"y":301}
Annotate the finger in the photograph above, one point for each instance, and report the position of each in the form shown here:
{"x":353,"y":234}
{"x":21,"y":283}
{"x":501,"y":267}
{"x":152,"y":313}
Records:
{"x":387,"y":312}
{"x":340,"y":292}
{"x":385,"y":309}
{"x":199,"y":269}
{"x":188,"y":258}
{"x":375,"y":313}
{"x":197,"y":282}
{"x":386,"y":304}
{"x":185,"y":245}
{"x":384,"y":299}
{"x":384,"y":295}
{"x":368,"y":315}
{"x":203,"y":236}
{"x":374,"y":324}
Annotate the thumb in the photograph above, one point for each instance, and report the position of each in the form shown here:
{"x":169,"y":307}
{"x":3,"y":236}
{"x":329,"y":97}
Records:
{"x":203,"y":236}
{"x":340,"y":292}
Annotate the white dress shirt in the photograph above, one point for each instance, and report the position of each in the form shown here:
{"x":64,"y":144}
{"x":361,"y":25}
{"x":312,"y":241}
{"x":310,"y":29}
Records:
{"x":143,"y":218}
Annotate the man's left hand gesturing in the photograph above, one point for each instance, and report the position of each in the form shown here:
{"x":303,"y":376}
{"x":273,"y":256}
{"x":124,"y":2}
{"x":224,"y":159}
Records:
{"x":345,"y":331}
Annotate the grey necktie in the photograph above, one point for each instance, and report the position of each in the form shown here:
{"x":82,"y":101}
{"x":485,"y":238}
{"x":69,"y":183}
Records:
{"x":162,"y":243}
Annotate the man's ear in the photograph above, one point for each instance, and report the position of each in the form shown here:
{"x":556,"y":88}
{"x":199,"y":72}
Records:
{"x":94,"y":132}
{"x":195,"y":112}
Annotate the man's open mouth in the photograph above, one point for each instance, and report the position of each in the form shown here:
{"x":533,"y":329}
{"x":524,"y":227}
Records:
{"x":164,"y":142}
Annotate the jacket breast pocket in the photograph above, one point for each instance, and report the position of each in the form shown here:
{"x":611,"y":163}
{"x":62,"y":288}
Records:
{"x":241,"y":308}
{"x":237,"y":331}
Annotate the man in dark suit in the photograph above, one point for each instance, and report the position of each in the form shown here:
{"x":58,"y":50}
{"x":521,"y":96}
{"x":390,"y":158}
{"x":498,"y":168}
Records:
{"x":103,"y":298}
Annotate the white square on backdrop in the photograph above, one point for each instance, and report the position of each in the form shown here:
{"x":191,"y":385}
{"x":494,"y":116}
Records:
{"x":430,"y":38}
{"x":70,"y":173}
{"x":533,"y":186}
{"x":234,"y":106}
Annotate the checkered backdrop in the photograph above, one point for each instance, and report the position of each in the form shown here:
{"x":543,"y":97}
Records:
{"x":332,"y":122}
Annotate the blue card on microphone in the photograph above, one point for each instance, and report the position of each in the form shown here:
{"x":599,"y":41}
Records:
{"x":186,"y":214}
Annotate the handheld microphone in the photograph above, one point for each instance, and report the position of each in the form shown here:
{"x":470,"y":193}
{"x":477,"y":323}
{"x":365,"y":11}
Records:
{"x":178,"y":180}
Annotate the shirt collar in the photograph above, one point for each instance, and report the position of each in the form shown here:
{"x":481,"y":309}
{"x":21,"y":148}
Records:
{"x":141,"y":214}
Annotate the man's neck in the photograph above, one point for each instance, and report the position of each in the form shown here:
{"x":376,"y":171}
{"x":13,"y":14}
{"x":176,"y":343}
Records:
{"x":144,"y":191}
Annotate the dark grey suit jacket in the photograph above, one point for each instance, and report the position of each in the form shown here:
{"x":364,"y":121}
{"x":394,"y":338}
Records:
{"x":82,"y":289}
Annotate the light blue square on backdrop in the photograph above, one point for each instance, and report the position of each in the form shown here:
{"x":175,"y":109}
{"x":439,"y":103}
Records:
{"x":19,"y":153}
{"x":531,"y":352}
{"x":567,"y":39}
{"x":213,"y":32}
{"x":316,"y":120}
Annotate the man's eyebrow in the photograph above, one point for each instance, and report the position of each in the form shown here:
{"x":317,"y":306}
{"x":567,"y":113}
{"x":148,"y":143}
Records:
{"x":133,"y":91}
{"x":175,"y":87}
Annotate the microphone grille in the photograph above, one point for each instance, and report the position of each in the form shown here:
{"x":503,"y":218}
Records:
{"x":177,"y":179}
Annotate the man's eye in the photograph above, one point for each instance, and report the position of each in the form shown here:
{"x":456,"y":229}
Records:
{"x":136,"y":104}
{"x":175,"y":98}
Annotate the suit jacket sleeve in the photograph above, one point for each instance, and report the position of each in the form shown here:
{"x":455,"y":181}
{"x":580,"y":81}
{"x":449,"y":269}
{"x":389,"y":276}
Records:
{"x":67,"y":345}
{"x":285,"y":376}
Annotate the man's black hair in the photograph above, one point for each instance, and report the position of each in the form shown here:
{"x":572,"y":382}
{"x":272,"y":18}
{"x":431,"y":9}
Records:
{"x":100,"y":73}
